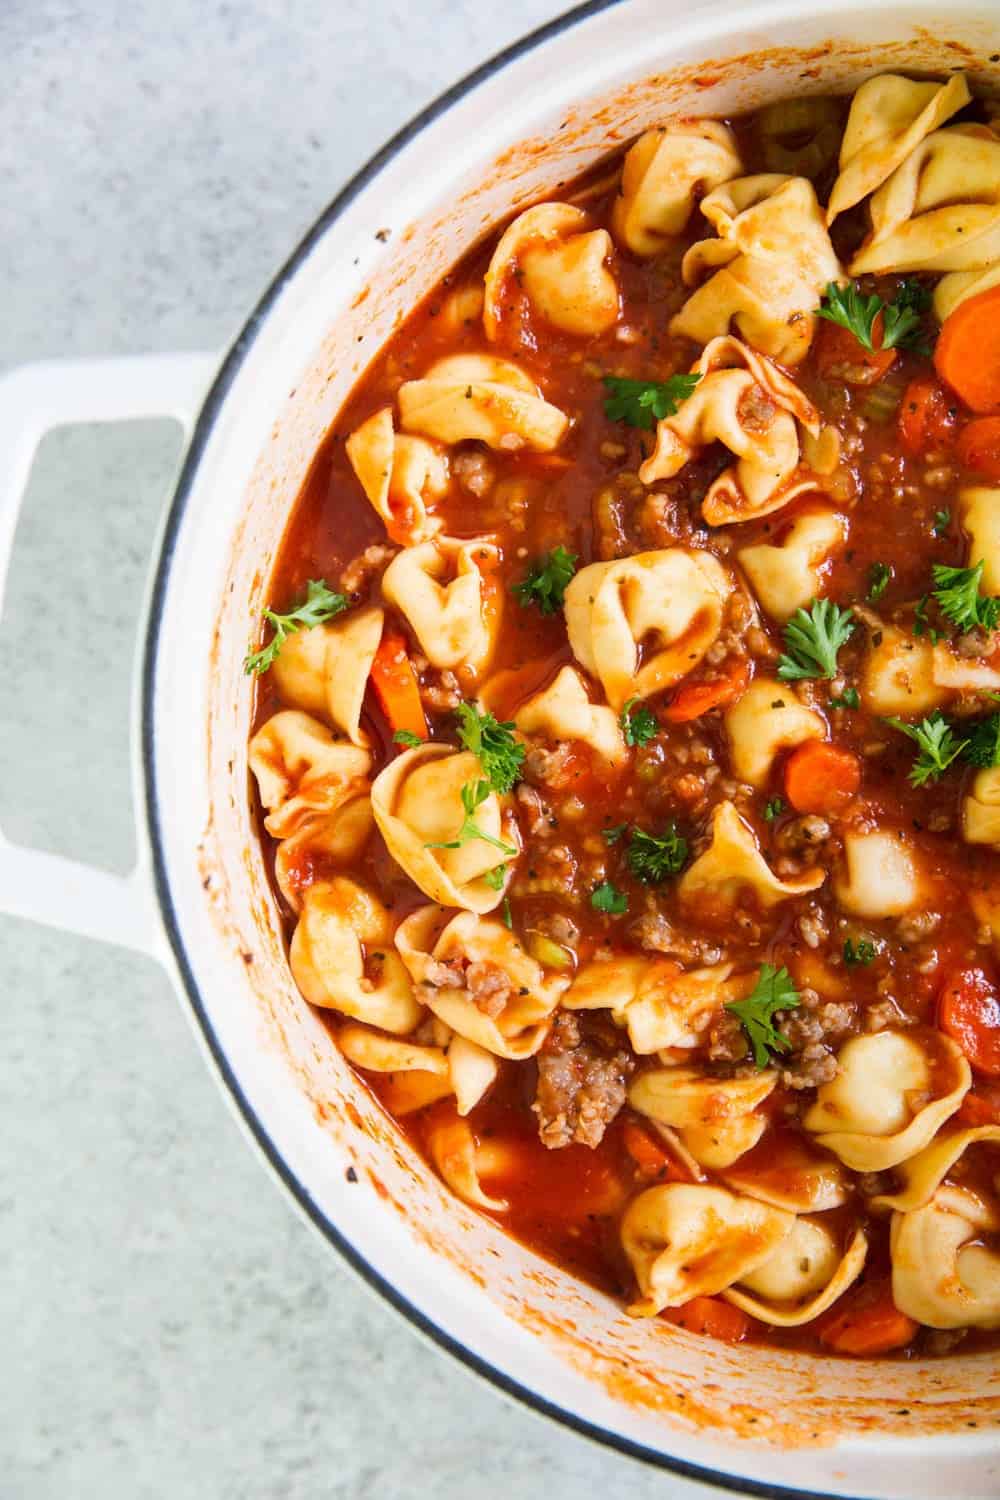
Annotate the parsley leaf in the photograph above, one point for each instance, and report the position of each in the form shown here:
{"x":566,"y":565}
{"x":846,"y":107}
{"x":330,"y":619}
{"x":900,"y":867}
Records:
{"x":921,"y":625}
{"x":878,"y":578}
{"x":957,"y":593}
{"x":605,"y":897}
{"x":652,"y":857}
{"x":983,"y":746}
{"x":942,"y":520}
{"x":901,"y":318}
{"x":637,"y":402}
{"x":495,"y":878}
{"x":408,"y":738}
{"x":639,"y":724}
{"x":773,"y":991}
{"x":612,"y":835}
{"x":813,"y":638}
{"x":473,"y":795}
{"x":773,"y":809}
{"x":849,"y":698}
{"x":545,"y":583}
{"x":862,"y":952}
{"x":937,"y":745}
{"x":493,"y":743}
{"x":507,"y":918}
{"x":320,"y":604}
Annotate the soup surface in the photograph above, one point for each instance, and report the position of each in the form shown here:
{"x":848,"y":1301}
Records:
{"x":628,"y":732}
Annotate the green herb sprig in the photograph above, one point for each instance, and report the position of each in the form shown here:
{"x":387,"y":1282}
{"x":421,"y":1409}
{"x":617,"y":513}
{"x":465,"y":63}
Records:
{"x":495,"y":746}
{"x":545,"y":584}
{"x":320,"y":604}
{"x":639,"y":402}
{"x":813,"y":638}
{"x":773,"y":991}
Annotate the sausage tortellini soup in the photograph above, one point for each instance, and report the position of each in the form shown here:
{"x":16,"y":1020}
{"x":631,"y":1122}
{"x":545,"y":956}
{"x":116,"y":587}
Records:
{"x":627,"y":740}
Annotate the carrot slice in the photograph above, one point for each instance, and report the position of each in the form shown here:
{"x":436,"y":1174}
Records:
{"x":396,"y":687}
{"x":821,"y":778}
{"x":978,"y":446}
{"x":696,"y":698}
{"x":712,"y":1316}
{"x":651,"y":1156}
{"x":841,"y":357}
{"x":967,"y":354}
{"x":866,"y":1321}
{"x":969,"y":1012}
{"x":981,"y":1106}
{"x":926,"y":416}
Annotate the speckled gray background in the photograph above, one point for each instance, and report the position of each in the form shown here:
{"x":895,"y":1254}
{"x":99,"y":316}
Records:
{"x":169,"y":1326}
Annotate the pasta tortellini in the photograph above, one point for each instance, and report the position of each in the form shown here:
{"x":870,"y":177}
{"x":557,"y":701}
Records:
{"x":897,"y":678}
{"x":921,"y":1175}
{"x":786,"y":1173}
{"x":443,"y":589}
{"x":745,"y":402}
{"x":480,"y":397}
{"x":880,"y":877}
{"x":401,"y":475}
{"x":942,"y":1273}
{"x":772,"y":261}
{"x":716,"y":1118}
{"x":981,"y":809}
{"x":302,"y":770}
{"x":940,"y":210}
{"x":890,"y":116}
{"x":979,"y":512}
{"x":804,"y":1276}
{"x":418,"y":807}
{"x":767,"y":719}
{"x":561,"y":265}
{"x":787,"y":575}
{"x":694,"y":1241}
{"x":733,"y":864}
{"x":665,"y":172}
{"x":334,"y":838}
{"x":324,"y":670}
{"x":952,"y":290}
{"x":465,"y":1070}
{"x":452,"y":1148}
{"x":871,"y":1115}
{"x":342,"y":957}
{"x":660,"y":1005}
{"x":641,"y":623}
{"x":475,"y":976}
{"x":563,"y":711}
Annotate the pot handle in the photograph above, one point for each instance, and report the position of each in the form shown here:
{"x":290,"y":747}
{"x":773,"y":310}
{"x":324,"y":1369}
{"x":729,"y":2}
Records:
{"x":50,"y":888}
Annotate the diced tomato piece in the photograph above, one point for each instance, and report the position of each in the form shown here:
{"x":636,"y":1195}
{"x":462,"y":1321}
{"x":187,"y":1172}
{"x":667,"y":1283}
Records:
{"x":978,"y":446}
{"x":927,"y":416}
{"x":969,"y":1012}
{"x":692,"y":699}
{"x":839,"y":355}
{"x":712,"y":1316}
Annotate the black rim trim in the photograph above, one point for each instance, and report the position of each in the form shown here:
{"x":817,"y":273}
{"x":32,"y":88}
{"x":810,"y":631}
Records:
{"x":199,"y":438}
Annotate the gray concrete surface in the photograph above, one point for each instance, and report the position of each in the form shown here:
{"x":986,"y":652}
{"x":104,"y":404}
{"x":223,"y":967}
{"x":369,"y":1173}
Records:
{"x":169,"y":1327}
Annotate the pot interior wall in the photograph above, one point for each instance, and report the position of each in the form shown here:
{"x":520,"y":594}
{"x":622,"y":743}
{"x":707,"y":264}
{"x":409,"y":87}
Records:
{"x":559,"y":111}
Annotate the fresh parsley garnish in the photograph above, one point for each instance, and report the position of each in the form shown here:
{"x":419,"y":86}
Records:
{"x":507,"y":917}
{"x":651,"y":857}
{"x":473,"y":795}
{"x":408,"y":738}
{"x":921,"y":624}
{"x":638,"y":723}
{"x":849,"y":698}
{"x":942,"y":520}
{"x":773,"y":809}
{"x":612,"y":835}
{"x":493,"y":744}
{"x":959,"y":600}
{"x":545,"y":583}
{"x":878,"y":577}
{"x":320,"y":604}
{"x":639,"y":402}
{"x":861,"y":952}
{"x":813,"y":638}
{"x":936,"y":742}
{"x":901,"y":318}
{"x":983,"y":745}
{"x":773,"y":991}
{"x":605,"y":897}
{"x":495,"y":878}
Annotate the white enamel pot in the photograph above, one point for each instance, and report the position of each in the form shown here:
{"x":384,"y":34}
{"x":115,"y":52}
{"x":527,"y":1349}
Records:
{"x":751,"y":1420}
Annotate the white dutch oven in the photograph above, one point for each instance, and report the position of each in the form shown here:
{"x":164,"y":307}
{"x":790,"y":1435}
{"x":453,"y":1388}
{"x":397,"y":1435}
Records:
{"x":751,"y":1420}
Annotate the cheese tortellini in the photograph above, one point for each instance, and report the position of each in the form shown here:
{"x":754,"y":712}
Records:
{"x":940,"y":210}
{"x":401,"y":475}
{"x":771,"y":261}
{"x":480,"y":397}
{"x":443,"y":589}
{"x":804,"y":1276}
{"x":981,"y":809}
{"x":979,"y":512}
{"x":476,"y":977}
{"x":955,"y":288}
{"x":302,"y":770}
{"x":733,"y":864}
{"x":321,"y":839}
{"x":665,"y":172}
{"x":660,"y":1005}
{"x":747,"y":403}
{"x":881,"y":877}
{"x":921,"y":1175}
{"x":452,"y":1147}
{"x":716,"y":1118}
{"x":786,"y":1173}
{"x":890,"y":116}
{"x":640,"y":624}
{"x":563,"y":711}
{"x":767,"y":719}
{"x":420,"y":813}
{"x":342,"y":957}
{"x":324,"y":670}
{"x":942,"y":1273}
{"x":872,"y":1114}
{"x":787,"y":575}
{"x":561,"y":265}
{"x":463,"y":1068}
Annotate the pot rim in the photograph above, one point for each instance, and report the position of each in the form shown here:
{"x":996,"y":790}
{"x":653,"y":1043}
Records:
{"x":153,"y":812}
